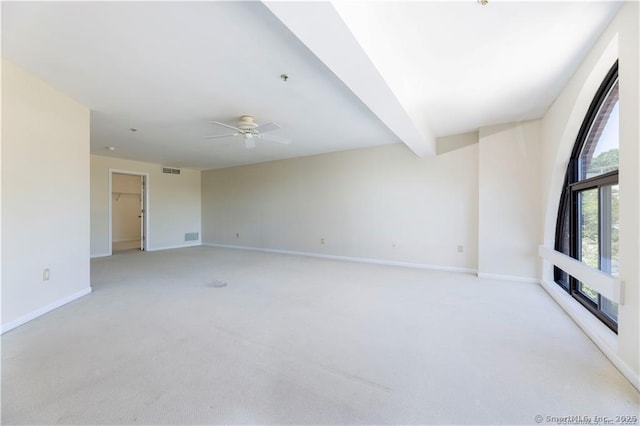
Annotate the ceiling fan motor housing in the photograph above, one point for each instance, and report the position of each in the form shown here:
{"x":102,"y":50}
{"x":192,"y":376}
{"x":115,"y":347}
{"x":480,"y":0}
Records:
{"x":246,"y":123}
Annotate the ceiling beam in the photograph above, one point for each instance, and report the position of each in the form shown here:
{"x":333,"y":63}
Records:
{"x":321,"y":29}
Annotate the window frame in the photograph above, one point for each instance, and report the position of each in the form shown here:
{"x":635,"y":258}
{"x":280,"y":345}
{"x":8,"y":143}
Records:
{"x":568,"y":209}
{"x":597,"y":182}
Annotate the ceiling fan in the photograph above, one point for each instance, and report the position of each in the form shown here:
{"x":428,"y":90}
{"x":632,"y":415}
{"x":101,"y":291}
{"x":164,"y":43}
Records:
{"x":250,"y":131}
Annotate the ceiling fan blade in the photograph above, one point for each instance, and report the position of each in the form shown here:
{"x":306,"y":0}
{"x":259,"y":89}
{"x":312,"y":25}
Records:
{"x":221,"y":136}
{"x":249,"y":143}
{"x":266,"y":127}
{"x":274,"y":138}
{"x":225,"y":125}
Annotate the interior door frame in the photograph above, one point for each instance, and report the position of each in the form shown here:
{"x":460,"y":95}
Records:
{"x":145,"y":204}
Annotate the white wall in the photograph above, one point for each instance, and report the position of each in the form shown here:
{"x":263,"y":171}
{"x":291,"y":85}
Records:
{"x":376,"y":203}
{"x":509,"y":207}
{"x":45,"y":194}
{"x":173,"y":204}
{"x":560,"y":127}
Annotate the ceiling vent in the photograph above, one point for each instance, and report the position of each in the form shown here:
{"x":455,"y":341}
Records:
{"x":170,"y":171}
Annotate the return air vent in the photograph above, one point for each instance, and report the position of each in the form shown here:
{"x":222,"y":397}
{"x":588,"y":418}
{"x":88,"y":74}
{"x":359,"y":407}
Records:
{"x":191,"y":236}
{"x":170,"y":171}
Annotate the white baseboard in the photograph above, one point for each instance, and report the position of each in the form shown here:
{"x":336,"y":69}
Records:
{"x":190,"y":244}
{"x":605,"y":339}
{"x":95,"y":256}
{"x":43,"y":310}
{"x":349,"y":259}
{"x":508,"y":278}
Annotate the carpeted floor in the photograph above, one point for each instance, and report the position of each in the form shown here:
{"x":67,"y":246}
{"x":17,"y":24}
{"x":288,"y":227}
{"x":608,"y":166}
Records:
{"x":162,"y":340}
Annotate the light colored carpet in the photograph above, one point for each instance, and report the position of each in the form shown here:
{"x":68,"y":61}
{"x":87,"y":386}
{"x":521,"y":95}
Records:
{"x":125,"y":245}
{"x":301,"y":340}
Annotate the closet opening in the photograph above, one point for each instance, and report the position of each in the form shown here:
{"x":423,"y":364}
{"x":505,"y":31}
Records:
{"x":127,"y":211}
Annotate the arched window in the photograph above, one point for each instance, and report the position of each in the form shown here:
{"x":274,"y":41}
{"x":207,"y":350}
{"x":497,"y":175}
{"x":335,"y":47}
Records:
{"x":587,"y":226}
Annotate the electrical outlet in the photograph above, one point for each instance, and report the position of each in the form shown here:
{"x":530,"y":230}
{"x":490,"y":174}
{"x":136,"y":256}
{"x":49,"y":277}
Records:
{"x":237,"y":235}
{"x":460,"y":249}
{"x":45,"y":274}
{"x":321,"y":240}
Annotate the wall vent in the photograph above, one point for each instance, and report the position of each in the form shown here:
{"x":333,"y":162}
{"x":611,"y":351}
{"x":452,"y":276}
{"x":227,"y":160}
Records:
{"x":192,"y":236}
{"x":170,"y":171}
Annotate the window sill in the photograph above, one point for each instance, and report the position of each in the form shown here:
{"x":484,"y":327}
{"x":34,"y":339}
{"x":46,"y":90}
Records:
{"x":605,"y":339}
{"x":599,"y":333}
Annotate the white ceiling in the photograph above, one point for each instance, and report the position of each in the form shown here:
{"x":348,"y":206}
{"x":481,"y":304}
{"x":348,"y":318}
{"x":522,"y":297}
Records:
{"x":461,"y":65}
{"x":397,"y":72}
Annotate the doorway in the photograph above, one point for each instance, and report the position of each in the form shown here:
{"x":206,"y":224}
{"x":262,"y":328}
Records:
{"x":127,"y":208}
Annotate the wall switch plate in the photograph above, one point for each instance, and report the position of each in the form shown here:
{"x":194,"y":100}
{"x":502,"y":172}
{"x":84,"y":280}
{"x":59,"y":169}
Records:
{"x":45,"y":274}
{"x":460,"y":249}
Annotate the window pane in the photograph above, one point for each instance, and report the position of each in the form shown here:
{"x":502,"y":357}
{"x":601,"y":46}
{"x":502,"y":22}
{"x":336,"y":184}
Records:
{"x":588,"y":235}
{"x":589,"y":292}
{"x":610,"y":233}
{"x":615,"y":231}
{"x":610,"y":308}
{"x":609,"y":238}
{"x":600,"y":152}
